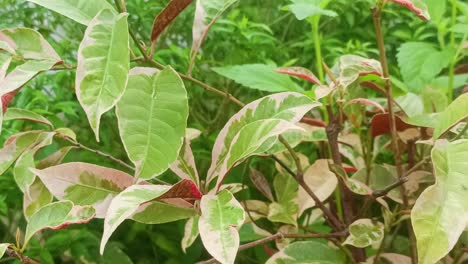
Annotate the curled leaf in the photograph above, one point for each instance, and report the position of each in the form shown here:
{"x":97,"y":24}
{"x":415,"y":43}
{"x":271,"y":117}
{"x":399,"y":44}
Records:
{"x":416,"y":6}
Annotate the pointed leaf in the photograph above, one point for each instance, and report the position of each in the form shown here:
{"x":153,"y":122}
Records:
{"x":351,"y":67}
{"x":289,"y":107}
{"x":300,"y":72}
{"x":206,"y":14}
{"x":286,"y":207}
{"x":185,"y":189}
{"x":259,"y":180}
{"x":23,"y":114}
{"x":36,"y":197}
{"x":185,"y":166}
{"x":15,"y":146}
{"x":379,"y":178}
{"x":85,"y":184}
{"x":55,"y":158}
{"x":23,"y":176}
{"x":320,"y":180}
{"x":190,"y":232}
{"x":3,"y":248}
{"x":416,"y":6}
{"x":153,"y":112}
{"x":364,"y":232}
{"x":303,"y":9}
{"x":125,"y":204}
{"x":308,"y":252}
{"x":82,"y":11}
{"x":57,"y":215}
{"x":453,"y":114}
{"x":441,"y":212}
{"x":155,"y":212}
{"x":166,"y":16}
{"x":28,"y":44}
{"x":258,"y":76}
{"x":103,"y":64}
{"x":221,"y":214}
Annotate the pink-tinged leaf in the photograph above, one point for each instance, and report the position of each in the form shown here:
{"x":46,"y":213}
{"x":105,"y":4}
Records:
{"x":349,"y":169}
{"x":167,"y":15}
{"x":158,"y":212}
{"x":351,"y":67}
{"x":261,"y":183}
{"x":36,"y":197}
{"x":300,"y":72}
{"x":23,"y":114}
{"x":185,"y":189}
{"x":55,"y":158}
{"x":313,"y":122}
{"x":15,"y":146}
{"x":57,"y":215}
{"x":85,"y":184}
{"x":366,"y":102}
{"x":380,"y":124}
{"x":416,"y":6}
{"x":185,"y":166}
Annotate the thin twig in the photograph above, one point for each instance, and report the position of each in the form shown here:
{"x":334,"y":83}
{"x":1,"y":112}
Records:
{"x":24,"y":259}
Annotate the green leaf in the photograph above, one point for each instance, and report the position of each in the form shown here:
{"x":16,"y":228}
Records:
{"x":460,"y":28}
{"x":420,"y":63}
{"x":190,"y":232}
{"x":308,"y":252}
{"x":55,"y":158}
{"x":440,"y":214}
{"x":29,"y":44}
{"x":351,"y":67}
{"x":3,"y":248}
{"x":286,"y":207}
{"x":258,"y":76}
{"x":436,"y":9}
{"x":303,"y":9}
{"x":85,"y":184}
{"x":379,"y":178}
{"x":35,"y":198}
{"x":185,"y":166}
{"x":15,"y":146}
{"x":364,"y":232}
{"x":56,"y":216}
{"x":23,"y":176}
{"x":153,"y":112}
{"x":103,"y":64}
{"x":82,"y":11}
{"x":453,"y":114}
{"x":254,"y":129}
{"x":221,"y":214}
{"x":416,"y":6}
{"x":23,"y":114}
{"x":157,"y":212}
{"x":251,"y":232}
{"x":114,"y":254}
{"x":125,"y":204}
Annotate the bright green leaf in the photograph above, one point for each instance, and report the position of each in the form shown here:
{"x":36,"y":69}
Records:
{"x":308,"y":252}
{"x":153,"y":112}
{"x":455,"y":112}
{"x":221,"y":214}
{"x":303,"y":9}
{"x":23,"y":114}
{"x":103,"y":64}
{"x":157,"y":212}
{"x":440,"y":214}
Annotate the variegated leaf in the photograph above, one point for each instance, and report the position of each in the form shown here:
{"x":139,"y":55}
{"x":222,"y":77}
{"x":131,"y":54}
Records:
{"x":416,"y":6}
{"x":221,"y":214}
{"x":286,"y":206}
{"x":453,"y":114}
{"x":295,"y":137}
{"x":300,"y":72}
{"x":153,"y":112}
{"x":273,"y":110}
{"x":103,"y":64}
{"x":21,"y":171}
{"x":15,"y":146}
{"x":82,"y":11}
{"x":3,"y":248}
{"x":379,"y":178}
{"x":190,"y":232}
{"x":55,"y":158}
{"x":206,"y":14}
{"x":320,"y":180}
{"x":125,"y":204}
{"x":57,"y":215}
{"x":157,"y":212}
{"x":35,"y":198}
{"x":85,"y":184}
{"x":23,"y":114}
{"x":351,"y":67}
{"x":308,"y":252}
{"x":365,"y":232}
{"x":440,"y":214}
{"x":185,"y":166}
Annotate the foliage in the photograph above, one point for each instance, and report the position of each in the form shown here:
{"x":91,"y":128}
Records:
{"x":131,"y":115}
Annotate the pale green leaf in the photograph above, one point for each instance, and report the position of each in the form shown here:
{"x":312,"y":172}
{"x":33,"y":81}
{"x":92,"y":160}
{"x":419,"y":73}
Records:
{"x":286,"y":207}
{"x":379,"y":178}
{"x":23,"y":114}
{"x":55,"y":158}
{"x":295,"y":137}
{"x":85,"y":184}
{"x":308,"y":252}
{"x":440,"y":214}
{"x":29,"y":44}
{"x":152,"y":117}
{"x":258,"y":76}
{"x":125,"y":204}
{"x":36,"y":197}
{"x":412,"y":104}
{"x":460,"y":28}
{"x":453,"y":114}
{"x":190,"y":232}
{"x":158,"y":212}
{"x":420,"y":63}
{"x":57,"y":215}
{"x":103,"y":65}
{"x":221,"y":214}
{"x":66,"y":132}
{"x":3,"y":248}
{"x":303,"y":9}
{"x":23,"y":176}
{"x":364,"y":232}
{"x":185,"y":166}
{"x":15,"y":146}
{"x":274,"y":114}
{"x":82,"y":11}
{"x":350,"y":67}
